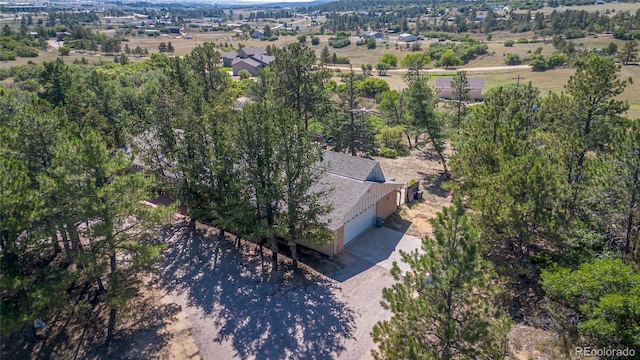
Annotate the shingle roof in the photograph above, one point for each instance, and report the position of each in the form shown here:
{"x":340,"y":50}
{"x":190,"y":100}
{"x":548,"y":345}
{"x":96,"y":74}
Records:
{"x":474,"y":83}
{"x":264,"y":59}
{"x":344,"y":194}
{"x":248,"y":61}
{"x":229,"y":55}
{"x":353,"y":167}
{"x":254,"y":50}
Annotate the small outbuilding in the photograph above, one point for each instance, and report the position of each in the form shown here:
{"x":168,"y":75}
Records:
{"x":443,"y":85}
{"x":407,"y":37}
{"x":372,"y":35}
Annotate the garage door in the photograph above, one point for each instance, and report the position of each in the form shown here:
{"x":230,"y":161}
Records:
{"x":360,"y":223}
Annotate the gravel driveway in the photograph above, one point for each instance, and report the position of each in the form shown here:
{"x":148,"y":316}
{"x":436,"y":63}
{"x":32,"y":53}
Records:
{"x":236,"y":308}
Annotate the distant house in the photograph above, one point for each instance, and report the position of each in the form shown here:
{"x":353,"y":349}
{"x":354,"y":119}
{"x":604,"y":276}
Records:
{"x":407,"y":37}
{"x":246,"y":52}
{"x":360,"y":194}
{"x":227,"y":58}
{"x":258,"y":34}
{"x":372,"y":35}
{"x":443,"y":85}
{"x":481,"y":18}
{"x":60,"y":35}
{"x":250,"y":59}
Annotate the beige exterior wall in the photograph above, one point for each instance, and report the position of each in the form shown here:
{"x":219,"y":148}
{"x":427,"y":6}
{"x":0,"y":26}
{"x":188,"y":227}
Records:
{"x":387,"y":205}
{"x":331,"y":249}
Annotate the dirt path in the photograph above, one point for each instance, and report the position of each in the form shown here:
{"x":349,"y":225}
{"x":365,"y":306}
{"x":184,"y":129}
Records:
{"x":446,"y":71}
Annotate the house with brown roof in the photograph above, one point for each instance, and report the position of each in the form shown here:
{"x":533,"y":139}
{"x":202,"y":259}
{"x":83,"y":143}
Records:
{"x":250,"y":59}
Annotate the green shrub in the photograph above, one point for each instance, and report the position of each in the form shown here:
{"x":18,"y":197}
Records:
{"x":509,"y":43}
{"x":388,"y":152}
{"x":342,"y":60}
{"x":8,"y":55}
{"x":465,"y":51}
{"x":339,"y":42}
{"x":244,"y":74}
{"x":512,"y":59}
{"x":392,"y":138}
{"x":26,"y":51}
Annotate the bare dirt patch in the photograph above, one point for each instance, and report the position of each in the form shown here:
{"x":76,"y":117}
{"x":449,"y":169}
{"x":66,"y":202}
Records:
{"x":527,"y":342}
{"x":413,"y":218}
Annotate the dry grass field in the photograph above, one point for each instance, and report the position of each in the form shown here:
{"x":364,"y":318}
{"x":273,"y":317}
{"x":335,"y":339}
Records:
{"x":552,"y":80}
{"x":613,"y":7}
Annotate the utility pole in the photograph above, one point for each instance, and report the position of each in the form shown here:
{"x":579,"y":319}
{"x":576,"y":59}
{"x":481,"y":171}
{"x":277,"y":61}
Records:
{"x":518,"y":82}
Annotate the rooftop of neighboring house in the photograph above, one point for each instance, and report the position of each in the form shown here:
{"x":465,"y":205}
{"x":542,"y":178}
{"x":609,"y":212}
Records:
{"x":248,"y":61}
{"x":474,"y":83}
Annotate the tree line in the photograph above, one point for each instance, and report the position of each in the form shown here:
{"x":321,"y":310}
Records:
{"x":546,"y":193}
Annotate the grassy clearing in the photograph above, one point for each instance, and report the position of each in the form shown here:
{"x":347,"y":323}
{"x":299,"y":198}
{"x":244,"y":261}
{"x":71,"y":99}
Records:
{"x":553,"y":80}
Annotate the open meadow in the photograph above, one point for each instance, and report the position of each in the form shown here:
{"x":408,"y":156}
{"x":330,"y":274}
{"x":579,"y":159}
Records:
{"x":551,"y":80}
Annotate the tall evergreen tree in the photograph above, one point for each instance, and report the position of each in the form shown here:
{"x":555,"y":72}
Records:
{"x":300,"y":86}
{"x":421,"y":105}
{"x":460,"y":97}
{"x":442,"y":306}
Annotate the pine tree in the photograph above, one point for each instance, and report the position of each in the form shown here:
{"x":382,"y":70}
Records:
{"x":259,"y":140}
{"x":122,"y":227}
{"x":460,"y":97}
{"x":299,"y":86}
{"x":421,"y":104}
{"x":589,"y":117}
{"x":301,"y":172}
{"x":325,"y":57}
{"x":629,"y":52}
{"x":442,"y":306}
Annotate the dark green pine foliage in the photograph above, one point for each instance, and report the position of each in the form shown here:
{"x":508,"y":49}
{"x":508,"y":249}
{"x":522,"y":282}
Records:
{"x":505,"y":166}
{"x":421,"y":101}
{"x":442,"y":306}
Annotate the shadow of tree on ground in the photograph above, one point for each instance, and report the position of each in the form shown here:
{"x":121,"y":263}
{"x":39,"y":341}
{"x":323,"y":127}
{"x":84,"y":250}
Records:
{"x":433,"y":184}
{"x":140,"y":333}
{"x":263,"y":315}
